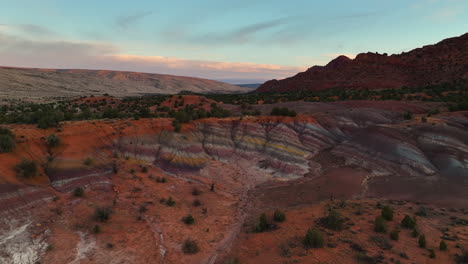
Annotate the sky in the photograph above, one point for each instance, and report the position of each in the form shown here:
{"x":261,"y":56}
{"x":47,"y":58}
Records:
{"x":243,"y":41}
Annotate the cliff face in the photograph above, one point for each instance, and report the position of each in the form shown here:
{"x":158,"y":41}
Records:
{"x":443,"y":62}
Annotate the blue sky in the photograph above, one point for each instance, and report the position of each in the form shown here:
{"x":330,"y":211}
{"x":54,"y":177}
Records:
{"x":240,"y":41}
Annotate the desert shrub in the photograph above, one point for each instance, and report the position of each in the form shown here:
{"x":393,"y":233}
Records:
{"x":422,"y":211}
{"x":188,"y":220}
{"x":115,"y":168}
{"x":283,"y":111}
{"x":96,"y":229}
{"x":380,"y":225}
{"x":414,"y":233}
{"x":262,"y":224}
{"x":143,"y":208}
{"x":195,"y":191}
{"x":88,"y":161}
{"x":177,"y":125}
{"x":382,"y":242}
{"x":196,"y":203}
{"x":170,"y":202}
{"x":161,"y":179}
{"x":48,"y":121}
{"x":395,"y":234}
{"x":7,"y":140}
{"x":102,"y":214}
{"x":408,"y":222}
{"x":53,"y":141}
{"x":333,"y":220}
{"x":357,"y":247}
{"x":363,"y":258}
{"x":422,"y":241}
{"x":279,"y":216}
{"x":387,"y":213}
{"x":443,"y":246}
{"x":313,"y":239}
{"x":78,"y":192}
{"x":190,"y":247}
{"x":26,"y":168}
{"x":408,"y":115}
{"x":432,"y":253}
{"x":144,"y":169}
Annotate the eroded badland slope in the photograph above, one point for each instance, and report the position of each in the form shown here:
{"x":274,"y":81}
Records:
{"x":226,"y":172}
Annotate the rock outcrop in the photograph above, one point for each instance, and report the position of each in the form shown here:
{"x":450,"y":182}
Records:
{"x":444,"y":62}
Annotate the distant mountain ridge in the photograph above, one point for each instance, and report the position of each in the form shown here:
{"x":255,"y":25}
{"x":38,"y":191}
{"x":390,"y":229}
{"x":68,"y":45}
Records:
{"x":29,"y":83}
{"x":446,"y":61}
{"x":250,"y":85}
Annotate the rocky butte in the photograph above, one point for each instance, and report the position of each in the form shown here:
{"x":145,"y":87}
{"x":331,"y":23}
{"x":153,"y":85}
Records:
{"x":444,"y":62}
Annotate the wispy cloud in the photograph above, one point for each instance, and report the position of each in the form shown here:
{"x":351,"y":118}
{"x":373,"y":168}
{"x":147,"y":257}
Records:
{"x":279,"y":31}
{"x":442,"y":11}
{"x":28,"y":29}
{"x":243,"y":34}
{"x":125,"y":21}
{"x":447,"y":13}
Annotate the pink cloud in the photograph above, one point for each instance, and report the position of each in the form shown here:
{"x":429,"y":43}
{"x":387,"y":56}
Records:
{"x":22,"y":52}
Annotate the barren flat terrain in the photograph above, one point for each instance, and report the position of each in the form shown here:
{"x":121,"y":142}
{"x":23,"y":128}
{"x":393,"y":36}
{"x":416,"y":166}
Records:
{"x":40,"y":84}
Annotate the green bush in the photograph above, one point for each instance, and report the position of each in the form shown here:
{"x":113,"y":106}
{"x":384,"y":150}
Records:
{"x":102,"y":214}
{"x":422,"y":241}
{"x":333,"y":220}
{"x":395,"y":234}
{"x":313,"y":239}
{"x":96,"y":229}
{"x":195,"y":191}
{"x":78,"y":192}
{"x":144,"y":170}
{"x":262,"y":224}
{"x":190,"y":247}
{"x":380,"y":225}
{"x":170,"y":202}
{"x":408,"y":222}
{"x":188,"y":220}
{"x":432,"y":253}
{"x":279,"y":216}
{"x":283,"y":111}
{"x":161,"y":179}
{"x":387,"y":213}
{"x":177,"y":126}
{"x":88,"y":161}
{"x":26,"y":168}
{"x":414,"y":233}
{"x":408,"y":115}
{"x":443,"y":246}
{"x":196,"y":203}
{"x":53,"y":141}
{"x":7,"y":140}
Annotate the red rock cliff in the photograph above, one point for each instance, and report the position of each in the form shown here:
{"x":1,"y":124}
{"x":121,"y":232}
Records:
{"x":445,"y":61}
